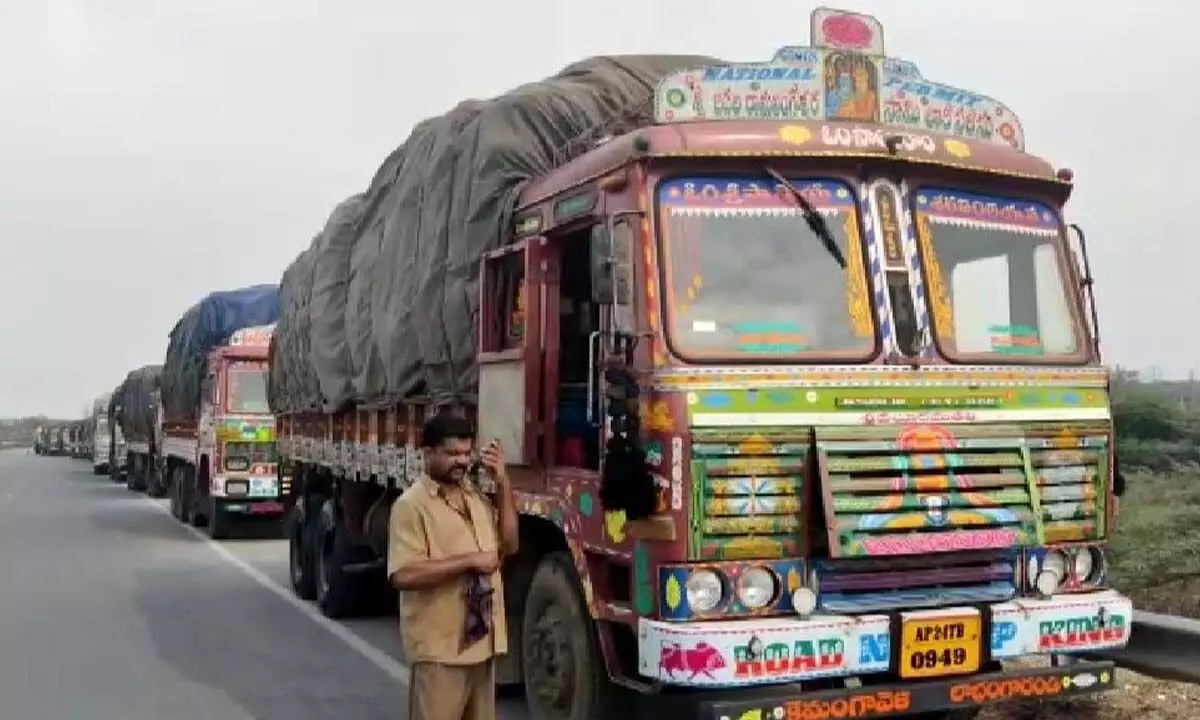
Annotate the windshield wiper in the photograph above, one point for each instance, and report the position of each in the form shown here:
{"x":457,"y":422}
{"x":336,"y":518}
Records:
{"x":815,"y":221}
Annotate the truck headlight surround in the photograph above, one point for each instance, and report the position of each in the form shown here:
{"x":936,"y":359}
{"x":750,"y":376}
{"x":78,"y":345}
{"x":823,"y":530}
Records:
{"x":757,"y":588}
{"x":705,"y":590}
{"x":1089,"y":565}
{"x":237,"y":487}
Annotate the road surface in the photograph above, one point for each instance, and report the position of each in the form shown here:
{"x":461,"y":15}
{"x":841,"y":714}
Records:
{"x":111,"y":610}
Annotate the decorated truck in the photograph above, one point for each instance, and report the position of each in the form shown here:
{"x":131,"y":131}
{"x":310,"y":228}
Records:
{"x":217,"y":455}
{"x":781,"y":447}
{"x":134,"y":405}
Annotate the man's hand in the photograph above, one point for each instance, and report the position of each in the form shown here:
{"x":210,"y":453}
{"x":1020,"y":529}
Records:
{"x":484,"y":563}
{"x":493,"y":459}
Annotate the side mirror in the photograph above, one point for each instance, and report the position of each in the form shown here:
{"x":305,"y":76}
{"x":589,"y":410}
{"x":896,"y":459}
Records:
{"x":612,"y":264}
{"x":601,"y":265}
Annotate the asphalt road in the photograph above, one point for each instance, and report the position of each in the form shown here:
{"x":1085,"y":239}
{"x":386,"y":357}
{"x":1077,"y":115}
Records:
{"x":111,"y":610}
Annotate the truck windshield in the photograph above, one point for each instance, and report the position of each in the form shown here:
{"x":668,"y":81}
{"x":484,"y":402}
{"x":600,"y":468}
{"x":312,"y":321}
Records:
{"x":993,"y":274}
{"x":746,"y":277}
{"x":247,"y":389}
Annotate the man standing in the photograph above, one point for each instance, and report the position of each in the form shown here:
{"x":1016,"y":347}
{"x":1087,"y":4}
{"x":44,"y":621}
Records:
{"x":446,"y":541}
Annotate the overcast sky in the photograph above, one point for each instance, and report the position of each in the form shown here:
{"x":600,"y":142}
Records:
{"x":154,"y":150}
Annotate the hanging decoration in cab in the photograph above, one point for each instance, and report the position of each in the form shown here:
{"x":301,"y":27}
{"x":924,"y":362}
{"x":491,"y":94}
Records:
{"x":626,"y":483}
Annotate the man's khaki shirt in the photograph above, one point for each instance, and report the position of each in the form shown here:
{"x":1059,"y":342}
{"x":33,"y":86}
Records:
{"x":424,"y":526}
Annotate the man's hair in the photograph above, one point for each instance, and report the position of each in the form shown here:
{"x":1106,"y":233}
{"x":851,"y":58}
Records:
{"x":444,"y":426}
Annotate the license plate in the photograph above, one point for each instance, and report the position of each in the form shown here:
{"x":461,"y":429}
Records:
{"x":937,"y":646}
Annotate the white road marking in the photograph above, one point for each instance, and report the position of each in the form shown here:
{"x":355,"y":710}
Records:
{"x":398,"y":670}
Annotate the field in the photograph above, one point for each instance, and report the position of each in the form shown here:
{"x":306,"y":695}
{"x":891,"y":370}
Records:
{"x":1156,"y":561}
{"x":1156,"y":551}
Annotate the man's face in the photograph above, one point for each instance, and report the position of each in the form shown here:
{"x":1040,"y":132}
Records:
{"x":449,"y":461}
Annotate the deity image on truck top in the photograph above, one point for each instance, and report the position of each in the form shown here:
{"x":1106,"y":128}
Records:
{"x":795,"y":364}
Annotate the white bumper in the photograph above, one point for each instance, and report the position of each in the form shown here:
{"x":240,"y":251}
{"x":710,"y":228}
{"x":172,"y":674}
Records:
{"x":258,"y":486}
{"x":718,"y":653}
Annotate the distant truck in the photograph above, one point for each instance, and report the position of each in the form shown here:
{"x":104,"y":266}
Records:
{"x":58,"y":440}
{"x":135,"y":407}
{"x":778,"y":442}
{"x":79,"y":440}
{"x":218,"y":453}
{"x":107,"y":446}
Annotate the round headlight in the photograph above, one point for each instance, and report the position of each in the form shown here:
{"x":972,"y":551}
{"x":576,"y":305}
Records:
{"x":1049,"y":574}
{"x":1056,"y":562}
{"x":704,"y":590}
{"x":756,"y":588}
{"x":1085,"y":564}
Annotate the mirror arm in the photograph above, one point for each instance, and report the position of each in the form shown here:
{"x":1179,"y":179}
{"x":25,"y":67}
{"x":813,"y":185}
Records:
{"x":1087,"y":283}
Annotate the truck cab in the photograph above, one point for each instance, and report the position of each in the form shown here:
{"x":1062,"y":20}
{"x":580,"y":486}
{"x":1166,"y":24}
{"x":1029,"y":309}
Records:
{"x":223,"y":464}
{"x":805,"y":379}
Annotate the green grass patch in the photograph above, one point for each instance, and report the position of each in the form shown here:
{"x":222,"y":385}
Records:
{"x":1156,"y":550}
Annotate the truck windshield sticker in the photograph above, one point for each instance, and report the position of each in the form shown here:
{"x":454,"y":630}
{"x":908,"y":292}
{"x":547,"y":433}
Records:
{"x":1015,"y":340}
{"x":843,"y":76}
{"x":746,"y":276}
{"x":770,"y":337}
{"x":993,"y":270}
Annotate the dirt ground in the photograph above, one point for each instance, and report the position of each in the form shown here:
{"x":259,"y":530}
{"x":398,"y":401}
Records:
{"x":1136,"y":696}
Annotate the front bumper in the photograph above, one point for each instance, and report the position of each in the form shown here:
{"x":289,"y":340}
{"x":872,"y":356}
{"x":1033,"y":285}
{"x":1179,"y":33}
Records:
{"x":881,"y":701}
{"x":257,"y":487}
{"x":772,"y":651}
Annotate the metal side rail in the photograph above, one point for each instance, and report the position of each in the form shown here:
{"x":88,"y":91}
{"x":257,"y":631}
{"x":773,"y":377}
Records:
{"x":1160,"y":646}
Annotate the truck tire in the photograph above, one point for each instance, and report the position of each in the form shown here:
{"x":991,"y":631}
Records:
{"x":176,"y":503}
{"x":558,"y":687}
{"x":135,"y":476}
{"x":220,"y":523}
{"x":155,"y":487}
{"x":304,"y":513}
{"x":338,"y":592}
{"x":192,"y":498}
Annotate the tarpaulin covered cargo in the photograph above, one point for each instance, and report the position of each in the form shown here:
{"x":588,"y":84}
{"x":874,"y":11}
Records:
{"x":132,"y":404}
{"x":204,"y":326}
{"x":384,"y":302}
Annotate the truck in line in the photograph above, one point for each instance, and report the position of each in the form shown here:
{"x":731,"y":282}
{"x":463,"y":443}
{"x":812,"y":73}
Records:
{"x":796,"y":372}
{"x":135,"y":407}
{"x":107,"y":446}
{"x":217,"y":458}
{"x":76,"y":440}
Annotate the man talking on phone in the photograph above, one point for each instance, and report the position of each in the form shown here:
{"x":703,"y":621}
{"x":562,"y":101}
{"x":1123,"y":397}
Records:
{"x":446,"y":541}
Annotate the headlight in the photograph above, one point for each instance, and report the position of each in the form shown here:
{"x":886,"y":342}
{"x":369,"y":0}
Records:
{"x":1049,"y":574}
{"x":704,"y":590}
{"x":1085,"y":563}
{"x":236,"y":487}
{"x":756,"y":588}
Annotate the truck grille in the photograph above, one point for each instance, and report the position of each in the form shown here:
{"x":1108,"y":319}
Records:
{"x":747,"y":491}
{"x":870,"y":585}
{"x":924,"y":489}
